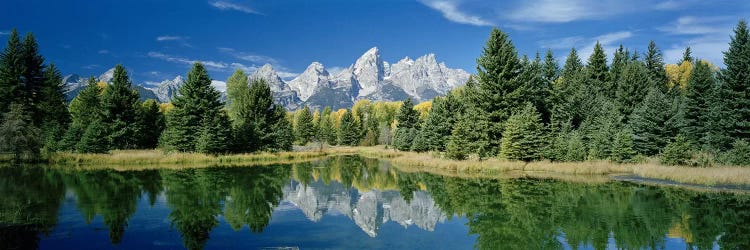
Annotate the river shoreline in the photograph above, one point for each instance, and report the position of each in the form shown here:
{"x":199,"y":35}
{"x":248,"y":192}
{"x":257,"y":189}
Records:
{"x":416,"y":162}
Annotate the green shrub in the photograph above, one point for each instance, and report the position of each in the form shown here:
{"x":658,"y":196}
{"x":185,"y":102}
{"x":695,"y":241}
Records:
{"x":678,"y":152}
{"x":739,"y":154}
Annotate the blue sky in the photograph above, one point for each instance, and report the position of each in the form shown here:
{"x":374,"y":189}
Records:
{"x":158,"y":39}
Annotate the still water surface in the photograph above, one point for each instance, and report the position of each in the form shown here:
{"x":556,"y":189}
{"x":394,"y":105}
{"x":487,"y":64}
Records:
{"x":351,"y":202}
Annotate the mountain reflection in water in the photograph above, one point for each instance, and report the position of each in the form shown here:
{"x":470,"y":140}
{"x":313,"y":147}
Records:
{"x":353,"y":202}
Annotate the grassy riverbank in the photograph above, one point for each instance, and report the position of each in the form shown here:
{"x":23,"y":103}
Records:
{"x":413,"y":162}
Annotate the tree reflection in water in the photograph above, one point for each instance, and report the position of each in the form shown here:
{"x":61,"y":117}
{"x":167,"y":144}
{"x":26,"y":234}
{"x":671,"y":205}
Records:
{"x":506,"y":213}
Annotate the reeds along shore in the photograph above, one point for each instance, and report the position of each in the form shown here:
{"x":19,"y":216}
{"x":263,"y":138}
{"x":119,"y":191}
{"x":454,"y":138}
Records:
{"x":411,"y":161}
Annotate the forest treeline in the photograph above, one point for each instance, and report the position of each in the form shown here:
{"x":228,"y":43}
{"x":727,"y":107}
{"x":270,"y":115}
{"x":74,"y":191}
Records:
{"x":519,"y":108}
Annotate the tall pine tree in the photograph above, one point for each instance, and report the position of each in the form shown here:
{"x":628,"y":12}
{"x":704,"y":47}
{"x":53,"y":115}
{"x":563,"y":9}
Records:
{"x":697,"y":104}
{"x":197,"y":102}
{"x":735,"y":87}
{"x":121,"y":105}
{"x":11,"y":68}
{"x":655,"y":64}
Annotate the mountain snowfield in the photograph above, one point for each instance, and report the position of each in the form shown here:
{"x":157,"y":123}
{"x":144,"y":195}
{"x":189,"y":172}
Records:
{"x":369,"y":77}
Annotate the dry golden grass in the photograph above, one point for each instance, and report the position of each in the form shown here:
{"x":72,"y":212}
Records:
{"x":150,"y":158}
{"x":427,"y":162}
{"x":596,"y":171}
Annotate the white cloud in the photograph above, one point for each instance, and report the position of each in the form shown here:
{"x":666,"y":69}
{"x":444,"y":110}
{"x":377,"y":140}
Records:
{"x":91,"y":66}
{"x":221,"y":86}
{"x":243,"y":67}
{"x":609,"y":43}
{"x":103,"y":51}
{"x":170,"y":38}
{"x":450,"y":10}
{"x":225,"y":5}
{"x":211,"y":64}
{"x":707,"y":37}
{"x":4,"y":33}
{"x":562,"y":43}
{"x":250,"y":57}
{"x":558,"y":11}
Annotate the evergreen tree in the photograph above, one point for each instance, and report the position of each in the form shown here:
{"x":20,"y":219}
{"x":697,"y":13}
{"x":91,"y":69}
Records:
{"x":622,"y":146}
{"x":263,"y":114}
{"x":18,"y":135}
{"x":534,"y":88}
{"x":215,"y":135}
{"x":407,"y":119}
{"x":572,"y":66}
{"x":619,"y":62}
{"x":600,"y":130}
{"x":349,"y":130}
{"x":651,"y":123}
{"x":687,"y":56}
{"x":677,"y":152}
{"x":120,"y":106}
{"x":326,"y":129}
{"x":85,"y":109}
{"x":55,"y":116}
{"x":32,"y":77}
{"x":282,"y":135}
{"x":469,"y":136}
{"x":499,"y":93}
{"x":523,"y":136}
{"x":632,"y":87}
{"x":551,"y":69}
{"x":735,"y":87}
{"x":152,"y":120}
{"x":11,"y":68}
{"x":305,"y":128}
{"x":739,"y":155}
{"x":197,"y":101}
{"x":697,"y":103}
{"x":655,"y":64}
{"x":440,"y":121}
{"x":597,"y":65}
{"x":94,"y":138}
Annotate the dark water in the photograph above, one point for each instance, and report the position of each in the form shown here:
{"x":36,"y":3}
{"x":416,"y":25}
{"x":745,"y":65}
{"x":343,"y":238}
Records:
{"x":352,"y":203}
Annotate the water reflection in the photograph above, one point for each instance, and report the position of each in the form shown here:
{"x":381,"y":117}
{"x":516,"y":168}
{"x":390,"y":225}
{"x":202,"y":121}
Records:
{"x":511,"y":214}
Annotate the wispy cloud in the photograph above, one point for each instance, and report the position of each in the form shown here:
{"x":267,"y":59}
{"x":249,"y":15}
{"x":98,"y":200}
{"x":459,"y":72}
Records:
{"x":609,"y":43}
{"x":562,"y":43}
{"x":707,"y":37}
{"x":91,"y":66}
{"x":221,"y":86}
{"x":335,"y":70}
{"x":225,"y":5}
{"x":103,"y":52}
{"x":450,"y":10}
{"x":170,"y":38}
{"x":250,"y":57}
{"x":4,"y":33}
{"x":181,"y":60}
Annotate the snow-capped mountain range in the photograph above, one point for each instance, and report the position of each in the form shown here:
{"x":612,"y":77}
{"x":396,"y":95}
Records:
{"x":368,"y":78}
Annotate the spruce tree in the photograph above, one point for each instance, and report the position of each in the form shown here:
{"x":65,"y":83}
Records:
{"x":469,"y":136}
{"x":152,"y":120}
{"x":523,"y":137}
{"x":655,"y":64}
{"x":11,"y":68}
{"x":407,"y":119}
{"x":94,"y":138}
{"x":572,"y":66}
{"x":121,"y":105}
{"x":85,"y":109}
{"x":619,"y":62}
{"x":197,"y":101}
{"x":597,"y":65}
{"x":498,"y":94}
{"x":349,"y":130}
{"x":32,"y":77}
{"x":305,"y":131}
{"x":326,"y":130}
{"x":622,"y":146}
{"x":651,"y":123}
{"x":687,"y":56}
{"x":54,"y":112}
{"x":551,"y":69}
{"x":440,"y":121}
{"x":697,"y":104}
{"x":282,"y":135}
{"x":735,"y":87}
{"x":215,"y":135}
{"x":18,"y":135}
{"x":632,"y":87}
